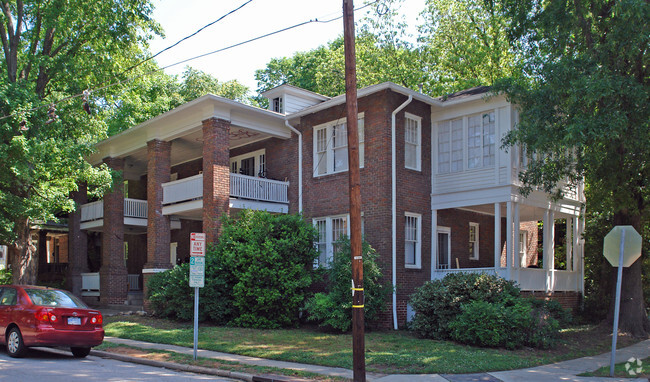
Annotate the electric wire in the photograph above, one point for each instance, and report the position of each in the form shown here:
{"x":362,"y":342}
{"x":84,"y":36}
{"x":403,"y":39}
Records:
{"x":103,"y":87}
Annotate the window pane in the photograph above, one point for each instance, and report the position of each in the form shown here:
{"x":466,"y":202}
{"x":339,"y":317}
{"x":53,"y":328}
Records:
{"x":443,"y":148}
{"x":443,"y":251}
{"x":456,"y":145}
{"x":410,"y":253}
{"x":410,"y":154}
{"x":488,"y":139}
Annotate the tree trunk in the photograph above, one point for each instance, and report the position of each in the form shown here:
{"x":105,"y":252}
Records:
{"x":24,"y":261}
{"x":632,"y":318}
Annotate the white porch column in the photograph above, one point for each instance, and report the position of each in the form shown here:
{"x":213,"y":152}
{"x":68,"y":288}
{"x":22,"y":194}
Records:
{"x":569,"y":244}
{"x":434,"y":241}
{"x":497,"y":235}
{"x":509,"y":241}
{"x":575,"y":246}
{"x":517,"y":257}
{"x":549,"y":249}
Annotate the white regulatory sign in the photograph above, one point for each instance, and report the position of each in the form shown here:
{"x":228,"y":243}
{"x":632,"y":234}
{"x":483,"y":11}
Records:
{"x":197,"y":244}
{"x":197,"y":271}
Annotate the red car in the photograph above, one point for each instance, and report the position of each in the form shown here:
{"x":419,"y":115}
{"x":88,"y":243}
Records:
{"x":40,"y":316}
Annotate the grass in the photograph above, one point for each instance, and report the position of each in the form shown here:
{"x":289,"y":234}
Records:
{"x":629,"y":369}
{"x":168,"y":356}
{"x":392,"y":352}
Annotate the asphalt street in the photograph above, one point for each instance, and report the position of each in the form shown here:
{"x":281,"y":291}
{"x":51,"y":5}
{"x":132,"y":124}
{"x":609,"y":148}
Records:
{"x":55,"y":365}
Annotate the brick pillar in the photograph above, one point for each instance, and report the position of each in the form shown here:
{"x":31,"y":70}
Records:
{"x":113,"y":274}
{"x":77,"y":243}
{"x":158,"y":227}
{"x":216,"y":175}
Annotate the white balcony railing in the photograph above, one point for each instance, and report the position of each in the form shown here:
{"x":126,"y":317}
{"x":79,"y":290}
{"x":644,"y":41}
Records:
{"x":249,"y":187}
{"x":133,"y":208}
{"x":241,"y":186}
{"x":183,"y":190}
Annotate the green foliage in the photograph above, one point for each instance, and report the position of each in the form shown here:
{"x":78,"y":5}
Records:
{"x":333,"y":309}
{"x":511,"y":323}
{"x":437,"y":303}
{"x":5,"y":276}
{"x":267,"y":261}
{"x":464,"y":45}
{"x":171,"y":296}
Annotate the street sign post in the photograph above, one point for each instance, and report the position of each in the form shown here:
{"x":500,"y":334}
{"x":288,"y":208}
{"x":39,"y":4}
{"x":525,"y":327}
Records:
{"x":628,"y":242}
{"x":197,"y":276}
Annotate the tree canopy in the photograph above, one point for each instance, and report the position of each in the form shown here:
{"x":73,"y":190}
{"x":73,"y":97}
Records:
{"x":52,"y":51}
{"x":585,"y":110}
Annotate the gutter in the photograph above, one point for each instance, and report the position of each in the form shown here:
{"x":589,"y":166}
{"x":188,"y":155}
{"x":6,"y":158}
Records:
{"x":299,"y":164}
{"x":394,"y":205}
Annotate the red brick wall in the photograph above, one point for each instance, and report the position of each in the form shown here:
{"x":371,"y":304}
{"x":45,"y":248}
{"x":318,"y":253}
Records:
{"x":216,"y":175}
{"x":568,"y":300}
{"x":458,"y":221}
{"x":77,"y":244}
{"x":113,"y":280}
{"x":158,"y":226}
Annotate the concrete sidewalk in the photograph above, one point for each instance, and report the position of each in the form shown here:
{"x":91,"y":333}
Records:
{"x":561,"y":371}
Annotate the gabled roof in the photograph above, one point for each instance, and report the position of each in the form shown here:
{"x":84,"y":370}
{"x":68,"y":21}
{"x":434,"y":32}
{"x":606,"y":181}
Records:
{"x":466,"y":93}
{"x":294,"y":90}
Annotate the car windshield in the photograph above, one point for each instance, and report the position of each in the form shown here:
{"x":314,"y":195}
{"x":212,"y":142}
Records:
{"x":54,"y":298}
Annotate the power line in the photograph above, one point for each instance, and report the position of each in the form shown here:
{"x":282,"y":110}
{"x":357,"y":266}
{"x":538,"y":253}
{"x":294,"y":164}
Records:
{"x":103,"y":87}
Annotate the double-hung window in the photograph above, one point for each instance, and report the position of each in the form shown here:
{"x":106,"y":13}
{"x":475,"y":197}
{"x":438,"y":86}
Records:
{"x":473,"y":241}
{"x":450,"y":146}
{"x":331,"y":146}
{"x":412,"y":240}
{"x":330,"y":229}
{"x":480,"y":140}
{"x":413,"y":142}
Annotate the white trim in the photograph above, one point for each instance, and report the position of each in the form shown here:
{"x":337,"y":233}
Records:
{"x":329,"y":235}
{"x":154,"y":270}
{"x":299,"y":164}
{"x":475,"y":255}
{"x":418,"y":144}
{"x":329,"y":149}
{"x":444,"y":230}
{"x":418,"y":240}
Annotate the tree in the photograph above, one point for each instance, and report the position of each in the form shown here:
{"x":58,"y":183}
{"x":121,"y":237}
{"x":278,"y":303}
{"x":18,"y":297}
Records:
{"x":53,"y":51}
{"x":585,"y":112}
{"x":464,"y":45}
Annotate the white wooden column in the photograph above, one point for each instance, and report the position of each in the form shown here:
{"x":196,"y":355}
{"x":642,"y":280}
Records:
{"x":569,"y":244}
{"x":497,"y":235}
{"x":509,"y":241}
{"x":575,"y":246}
{"x":517,"y":257}
{"x":434,"y":241}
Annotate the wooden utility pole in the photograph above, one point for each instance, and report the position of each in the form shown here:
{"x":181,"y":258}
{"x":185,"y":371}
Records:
{"x":358,"y":345}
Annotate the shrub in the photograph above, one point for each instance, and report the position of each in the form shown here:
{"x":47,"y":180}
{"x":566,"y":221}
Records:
{"x":438,"y":302}
{"x":171,"y":296}
{"x":511,"y":324}
{"x":333,"y":309}
{"x":268,"y":261}
{"x":554,"y":309}
{"x":5,"y":276}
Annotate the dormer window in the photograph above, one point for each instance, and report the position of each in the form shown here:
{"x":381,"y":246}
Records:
{"x":277,"y":105}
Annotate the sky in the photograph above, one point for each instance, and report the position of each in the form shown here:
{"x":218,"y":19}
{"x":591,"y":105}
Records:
{"x":181,"y":18}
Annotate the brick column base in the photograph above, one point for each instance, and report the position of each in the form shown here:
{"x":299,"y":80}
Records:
{"x":147,"y":273}
{"x":114,"y":285}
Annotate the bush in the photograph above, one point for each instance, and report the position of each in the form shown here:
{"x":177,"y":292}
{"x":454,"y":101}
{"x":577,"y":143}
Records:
{"x":437,"y":303}
{"x":5,"y":277}
{"x":511,"y":324}
{"x":268,"y":261}
{"x":554,"y":309}
{"x":333,"y":309}
{"x":171,"y":296}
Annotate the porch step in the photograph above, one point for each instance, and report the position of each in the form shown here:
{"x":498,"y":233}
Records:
{"x":135,"y":298}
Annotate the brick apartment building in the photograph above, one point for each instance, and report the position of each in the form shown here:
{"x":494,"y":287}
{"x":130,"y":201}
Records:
{"x":439,"y":194}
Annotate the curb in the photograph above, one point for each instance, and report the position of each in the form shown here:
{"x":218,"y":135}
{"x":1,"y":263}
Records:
{"x":175,"y":366}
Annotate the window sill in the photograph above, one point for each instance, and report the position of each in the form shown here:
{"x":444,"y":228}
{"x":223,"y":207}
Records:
{"x":407,"y":266}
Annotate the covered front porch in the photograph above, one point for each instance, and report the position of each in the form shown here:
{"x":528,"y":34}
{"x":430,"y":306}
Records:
{"x":533,"y":241}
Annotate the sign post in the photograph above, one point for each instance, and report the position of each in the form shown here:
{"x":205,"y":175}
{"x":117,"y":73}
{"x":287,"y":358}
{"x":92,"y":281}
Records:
{"x":197,"y":277}
{"x":628,"y":242}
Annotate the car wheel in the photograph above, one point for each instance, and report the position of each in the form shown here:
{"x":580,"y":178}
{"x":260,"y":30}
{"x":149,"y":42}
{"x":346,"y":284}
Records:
{"x":80,"y":352}
{"x":15,"y":345}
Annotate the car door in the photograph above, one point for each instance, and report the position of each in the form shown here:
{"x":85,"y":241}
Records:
{"x":8,"y":298}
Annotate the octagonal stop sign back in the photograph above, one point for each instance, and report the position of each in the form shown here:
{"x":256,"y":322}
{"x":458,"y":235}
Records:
{"x":612,"y":246}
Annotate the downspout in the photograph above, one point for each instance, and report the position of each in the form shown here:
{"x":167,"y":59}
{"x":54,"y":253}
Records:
{"x":299,"y":164}
{"x":394,"y":205}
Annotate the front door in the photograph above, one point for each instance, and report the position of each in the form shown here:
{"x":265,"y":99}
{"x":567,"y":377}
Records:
{"x":444,"y":248}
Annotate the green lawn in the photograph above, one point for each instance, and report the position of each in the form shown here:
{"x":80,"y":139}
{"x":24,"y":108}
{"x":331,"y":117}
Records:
{"x":386,"y":352}
{"x":624,"y":370}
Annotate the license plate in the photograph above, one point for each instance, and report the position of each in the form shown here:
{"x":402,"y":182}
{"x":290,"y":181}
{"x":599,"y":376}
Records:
{"x":74,"y":320}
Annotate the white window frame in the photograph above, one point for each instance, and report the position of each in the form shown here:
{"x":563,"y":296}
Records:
{"x":482,"y":160}
{"x":474,"y":254}
{"x":329,"y":241}
{"x":413,"y":141}
{"x":277,"y":104}
{"x":260,"y":162}
{"x":414,"y":239}
{"x":446,"y":231}
{"x":523,"y":248}
{"x":452,"y":146}
{"x":323,"y":145}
